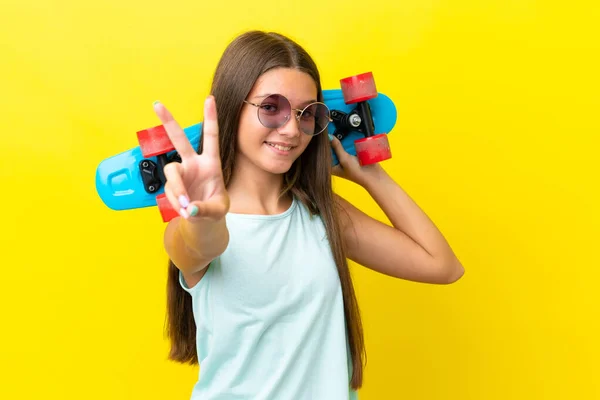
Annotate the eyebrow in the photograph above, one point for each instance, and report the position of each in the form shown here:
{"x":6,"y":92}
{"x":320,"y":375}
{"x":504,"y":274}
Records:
{"x":262,"y":96}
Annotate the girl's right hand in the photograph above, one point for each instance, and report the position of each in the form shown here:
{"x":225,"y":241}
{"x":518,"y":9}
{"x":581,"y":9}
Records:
{"x":195,"y":186}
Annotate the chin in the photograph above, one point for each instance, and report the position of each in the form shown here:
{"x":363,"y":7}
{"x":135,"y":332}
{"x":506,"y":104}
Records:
{"x":277,"y":168}
{"x":276,"y":161}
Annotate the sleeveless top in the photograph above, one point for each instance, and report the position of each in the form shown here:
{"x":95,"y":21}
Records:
{"x":269,"y":313}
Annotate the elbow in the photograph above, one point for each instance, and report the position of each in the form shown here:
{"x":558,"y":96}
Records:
{"x":453,"y":271}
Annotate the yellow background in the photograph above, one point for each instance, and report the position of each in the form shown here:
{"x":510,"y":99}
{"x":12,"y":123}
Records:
{"x":497,"y":139}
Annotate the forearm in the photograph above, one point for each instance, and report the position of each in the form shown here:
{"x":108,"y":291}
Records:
{"x":192,"y":246}
{"x":406,"y":216}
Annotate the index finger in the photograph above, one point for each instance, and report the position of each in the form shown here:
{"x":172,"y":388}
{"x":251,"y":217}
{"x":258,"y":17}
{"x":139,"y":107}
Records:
{"x":174,"y":131}
{"x":210,"y":145}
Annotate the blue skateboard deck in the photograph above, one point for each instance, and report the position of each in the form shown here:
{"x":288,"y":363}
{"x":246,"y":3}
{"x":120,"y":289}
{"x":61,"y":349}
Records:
{"x":119,"y":180}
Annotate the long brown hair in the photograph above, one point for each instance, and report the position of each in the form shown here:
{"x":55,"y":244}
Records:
{"x":245,"y":59}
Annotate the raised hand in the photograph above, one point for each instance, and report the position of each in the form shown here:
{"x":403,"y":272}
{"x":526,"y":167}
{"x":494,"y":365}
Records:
{"x":349,"y":168}
{"x":195,"y":186}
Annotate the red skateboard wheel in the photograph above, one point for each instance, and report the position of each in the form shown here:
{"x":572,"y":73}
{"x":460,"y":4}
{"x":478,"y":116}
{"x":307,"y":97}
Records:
{"x":164,"y":206}
{"x":358,"y":88}
{"x":154,"y":141}
{"x":374,"y":149}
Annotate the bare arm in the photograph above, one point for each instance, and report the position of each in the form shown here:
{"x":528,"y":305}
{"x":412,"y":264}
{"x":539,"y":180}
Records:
{"x":195,"y":187}
{"x":412,"y":248}
{"x":192,"y":247}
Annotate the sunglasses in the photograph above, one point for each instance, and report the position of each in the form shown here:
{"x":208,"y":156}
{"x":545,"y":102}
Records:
{"x":275,"y":110}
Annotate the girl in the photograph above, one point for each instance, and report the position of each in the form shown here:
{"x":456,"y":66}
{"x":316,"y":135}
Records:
{"x":259,"y":291}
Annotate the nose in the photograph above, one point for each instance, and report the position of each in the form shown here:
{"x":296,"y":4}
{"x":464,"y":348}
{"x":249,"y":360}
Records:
{"x":292,"y":127}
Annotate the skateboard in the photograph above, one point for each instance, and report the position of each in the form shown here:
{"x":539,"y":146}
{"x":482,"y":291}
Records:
{"x":361,"y":118}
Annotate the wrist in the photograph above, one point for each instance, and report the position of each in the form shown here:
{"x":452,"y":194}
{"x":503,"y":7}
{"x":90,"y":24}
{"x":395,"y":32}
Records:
{"x":373,"y":177}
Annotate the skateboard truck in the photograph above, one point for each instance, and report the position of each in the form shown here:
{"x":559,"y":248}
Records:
{"x":347,"y":122}
{"x":155,"y":142}
{"x":151,"y":175}
{"x":358,"y":89}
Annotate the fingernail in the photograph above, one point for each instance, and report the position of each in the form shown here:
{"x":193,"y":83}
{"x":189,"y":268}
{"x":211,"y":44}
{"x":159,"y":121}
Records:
{"x":155,"y":103}
{"x":330,"y":137}
{"x":183,"y":213}
{"x":193,"y":210}
{"x":183,"y":201}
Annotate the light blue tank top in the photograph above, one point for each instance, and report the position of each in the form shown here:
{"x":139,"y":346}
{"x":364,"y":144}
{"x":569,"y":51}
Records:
{"x":269,"y":314}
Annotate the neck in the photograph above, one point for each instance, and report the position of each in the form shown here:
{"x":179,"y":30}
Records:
{"x":254,"y":191}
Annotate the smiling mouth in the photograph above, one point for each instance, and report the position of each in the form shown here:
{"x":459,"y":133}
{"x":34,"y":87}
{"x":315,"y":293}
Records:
{"x":280,"y":147}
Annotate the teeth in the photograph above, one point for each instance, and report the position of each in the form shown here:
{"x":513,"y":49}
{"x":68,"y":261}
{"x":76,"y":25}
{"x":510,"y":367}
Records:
{"x":282,"y":148}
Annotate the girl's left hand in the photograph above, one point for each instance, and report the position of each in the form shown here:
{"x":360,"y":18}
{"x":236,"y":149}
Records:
{"x":349,"y":168}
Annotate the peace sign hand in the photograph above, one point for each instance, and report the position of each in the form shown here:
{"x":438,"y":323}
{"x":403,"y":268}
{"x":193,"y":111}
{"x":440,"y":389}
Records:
{"x":195,"y":186}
